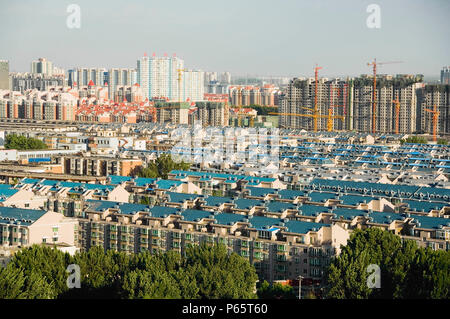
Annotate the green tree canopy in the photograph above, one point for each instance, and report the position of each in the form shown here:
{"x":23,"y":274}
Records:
{"x":261,"y":109}
{"x":205,"y":272}
{"x":414,"y":139}
{"x":403,"y":266}
{"x":161,"y":167}
{"x":275,"y":291}
{"x":20,"y":142}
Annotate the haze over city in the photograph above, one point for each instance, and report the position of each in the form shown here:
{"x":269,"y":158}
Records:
{"x":263,"y":38}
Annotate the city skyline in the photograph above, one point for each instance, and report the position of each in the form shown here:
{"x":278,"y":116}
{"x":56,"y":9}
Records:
{"x":240,"y":46}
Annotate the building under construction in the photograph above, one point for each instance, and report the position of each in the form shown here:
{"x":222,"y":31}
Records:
{"x":298,"y":102}
{"x":397,"y":99}
{"x":400,"y":105}
{"x":435,"y":96}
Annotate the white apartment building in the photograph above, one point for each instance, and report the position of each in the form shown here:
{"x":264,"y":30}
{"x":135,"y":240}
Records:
{"x":120,"y":77}
{"x":82,"y":76}
{"x":193,"y":87}
{"x":158,"y":76}
{"x":42,"y":65}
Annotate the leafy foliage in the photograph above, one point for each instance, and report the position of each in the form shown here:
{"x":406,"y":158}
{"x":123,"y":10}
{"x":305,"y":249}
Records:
{"x":20,"y":142}
{"x":161,"y":167}
{"x":275,"y":291}
{"x":414,"y":139}
{"x":406,"y":270}
{"x":262,"y":110}
{"x":205,"y":272}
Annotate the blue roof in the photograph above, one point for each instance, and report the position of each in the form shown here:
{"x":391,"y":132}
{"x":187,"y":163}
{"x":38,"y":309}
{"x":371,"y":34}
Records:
{"x":29,"y":215}
{"x":263,"y":223}
{"x":355,"y":200}
{"x":431,"y":222}
{"x":217,"y":201}
{"x":404,"y":191}
{"x":253,"y":179}
{"x":30,"y":180}
{"x":181,"y":197}
{"x":123,"y":208}
{"x":167,"y":184}
{"x":425,"y":206}
{"x":385,"y":218}
{"x":320,"y":197}
{"x":312,"y":210}
{"x":260,"y":191}
{"x":301,"y":227}
{"x":279,"y":207}
{"x":39,"y":159}
{"x":131,"y":209}
{"x":347,"y":214}
{"x":290,"y":194}
{"x":433,"y":192}
{"x":245,"y":203}
{"x":116,"y":179}
{"x":162,"y":211}
{"x":143,"y":181}
{"x":6,"y":192}
{"x":193,"y":215}
{"x":228,"y":218}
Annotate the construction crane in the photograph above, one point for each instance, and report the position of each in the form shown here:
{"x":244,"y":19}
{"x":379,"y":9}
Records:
{"x":239,"y":105}
{"x":316,"y":110}
{"x":374,"y":92}
{"x":435,"y":113}
{"x":252,"y":121}
{"x":179,"y":78}
{"x":397,"y":114}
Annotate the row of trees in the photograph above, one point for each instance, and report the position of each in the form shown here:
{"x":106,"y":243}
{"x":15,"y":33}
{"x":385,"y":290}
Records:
{"x":406,"y":271}
{"x":263,"y":110}
{"x":161,"y":167}
{"x":421,"y":140}
{"x":204,"y":272}
{"x":19,"y":142}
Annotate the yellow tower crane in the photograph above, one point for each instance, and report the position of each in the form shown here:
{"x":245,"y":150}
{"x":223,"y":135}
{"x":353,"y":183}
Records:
{"x":179,"y":78}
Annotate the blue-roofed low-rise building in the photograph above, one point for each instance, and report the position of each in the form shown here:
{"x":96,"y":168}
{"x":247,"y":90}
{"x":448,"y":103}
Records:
{"x":24,"y":227}
{"x":182,"y":200}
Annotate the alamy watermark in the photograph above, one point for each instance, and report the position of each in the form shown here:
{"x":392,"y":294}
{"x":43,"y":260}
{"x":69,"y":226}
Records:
{"x":73,"y":20}
{"x":257,"y":147}
{"x":374,"y":19}
{"x":74,"y":279}
{"x":374,"y":279}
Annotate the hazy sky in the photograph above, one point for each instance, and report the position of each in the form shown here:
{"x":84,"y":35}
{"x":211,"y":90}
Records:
{"x":254,"y":37}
